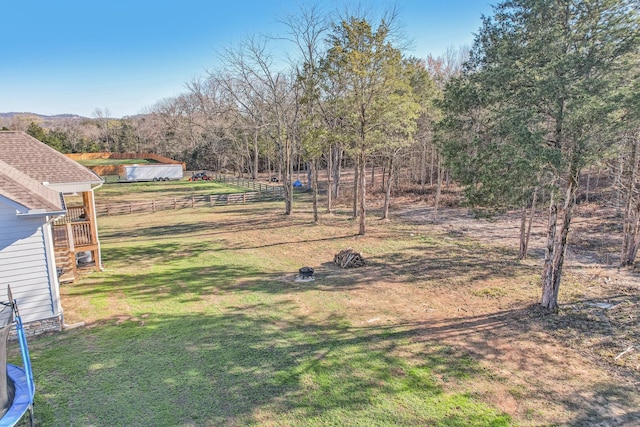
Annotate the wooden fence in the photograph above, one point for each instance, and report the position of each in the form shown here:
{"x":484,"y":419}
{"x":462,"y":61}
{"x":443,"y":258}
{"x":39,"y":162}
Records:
{"x":124,"y":208}
{"x":90,"y":156}
{"x":263,"y":192}
{"x":275,"y":190}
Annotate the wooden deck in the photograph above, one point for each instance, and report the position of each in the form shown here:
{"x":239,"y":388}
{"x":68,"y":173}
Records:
{"x":75,"y":241}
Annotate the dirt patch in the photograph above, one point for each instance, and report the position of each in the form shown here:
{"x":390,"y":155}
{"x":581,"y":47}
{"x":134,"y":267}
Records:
{"x":579,"y":366}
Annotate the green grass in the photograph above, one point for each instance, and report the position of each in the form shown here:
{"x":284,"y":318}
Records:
{"x":195,"y":324}
{"x":109,"y":162}
{"x":132,"y":191}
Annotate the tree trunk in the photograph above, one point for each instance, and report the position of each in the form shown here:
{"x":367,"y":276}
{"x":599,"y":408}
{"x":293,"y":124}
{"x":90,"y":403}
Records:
{"x":362,"y":193}
{"x":618,"y":182}
{"x":631,"y":224}
{"x":329,"y":183}
{"x":523,"y":227}
{"x":525,"y":235}
{"x":438,"y":189}
{"x":387,"y":193}
{"x":286,"y":166}
{"x":356,"y":186}
{"x":384,"y":177}
{"x":431,"y":167}
{"x":256,"y":156}
{"x":549,"y":294}
{"x":337,"y":169}
{"x":557,"y":245}
{"x":586,"y":191}
{"x":633,"y":245}
{"x":269,"y":168}
{"x":423,"y":166}
{"x":531,"y":218}
{"x":373,"y":175}
{"x":314,"y":185}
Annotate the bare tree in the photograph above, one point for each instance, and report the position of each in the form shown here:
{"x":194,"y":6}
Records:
{"x":253,"y":81}
{"x":102,"y":121}
{"x":306,"y":31}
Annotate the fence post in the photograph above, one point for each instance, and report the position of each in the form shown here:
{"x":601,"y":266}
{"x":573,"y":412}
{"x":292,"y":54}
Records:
{"x":193,"y":202}
{"x":175,"y":203}
{"x":244,"y":198}
{"x":210,"y":200}
{"x":131,"y":207}
{"x":153,"y":206}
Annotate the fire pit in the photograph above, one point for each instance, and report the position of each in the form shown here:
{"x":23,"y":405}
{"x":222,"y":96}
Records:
{"x":305,"y":274}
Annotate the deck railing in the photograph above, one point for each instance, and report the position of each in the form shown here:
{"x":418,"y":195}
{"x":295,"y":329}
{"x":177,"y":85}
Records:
{"x":74,"y":213}
{"x":80,"y":232}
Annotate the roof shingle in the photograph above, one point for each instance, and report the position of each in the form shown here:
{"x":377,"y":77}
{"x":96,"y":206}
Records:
{"x":26,"y":191}
{"x":41,"y":162}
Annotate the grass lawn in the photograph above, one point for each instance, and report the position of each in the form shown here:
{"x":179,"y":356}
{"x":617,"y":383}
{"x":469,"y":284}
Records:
{"x":134,"y":191}
{"x":197,"y":321}
{"x":109,"y":162}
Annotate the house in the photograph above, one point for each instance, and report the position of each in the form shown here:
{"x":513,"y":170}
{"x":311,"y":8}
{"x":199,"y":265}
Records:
{"x":48,"y":228}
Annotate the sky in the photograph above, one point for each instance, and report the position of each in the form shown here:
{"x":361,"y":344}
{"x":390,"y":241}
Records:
{"x":76,"y":56}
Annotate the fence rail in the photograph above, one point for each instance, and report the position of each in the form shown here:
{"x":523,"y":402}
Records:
{"x":124,"y":208}
{"x":263,"y":192}
{"x":261,"y":187}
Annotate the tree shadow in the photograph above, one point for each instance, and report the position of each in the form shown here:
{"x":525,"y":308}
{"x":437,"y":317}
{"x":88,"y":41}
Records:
{"x":241,"y":366}
{"x":201,"y":228}
{"x":519,"y":344}
{"x":248,"y":366}
{"x":250,"y":359}
{"x":436,"y":264}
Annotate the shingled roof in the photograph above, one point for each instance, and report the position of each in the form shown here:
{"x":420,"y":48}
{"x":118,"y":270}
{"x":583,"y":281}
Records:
{"x":28,"y":192}
{"x":41,"y":162}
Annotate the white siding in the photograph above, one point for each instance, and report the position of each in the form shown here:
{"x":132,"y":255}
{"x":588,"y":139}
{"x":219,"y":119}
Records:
{"x":24,"y":265}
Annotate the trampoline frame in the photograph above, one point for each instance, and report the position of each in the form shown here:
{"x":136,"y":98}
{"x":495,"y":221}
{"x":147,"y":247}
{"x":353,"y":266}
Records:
{"x":22,"y":377}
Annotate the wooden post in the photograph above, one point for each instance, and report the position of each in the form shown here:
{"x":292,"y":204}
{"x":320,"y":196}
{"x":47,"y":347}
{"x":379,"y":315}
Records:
{"x":175,"y":203}
{"x":72,"y":249}
{"x":244,"y":198}
{"x":153,"y":206}
{"x":72,"y":245}
{"x":193,"y":201}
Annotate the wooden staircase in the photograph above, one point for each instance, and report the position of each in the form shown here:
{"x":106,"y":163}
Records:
{"x":75,"y":244}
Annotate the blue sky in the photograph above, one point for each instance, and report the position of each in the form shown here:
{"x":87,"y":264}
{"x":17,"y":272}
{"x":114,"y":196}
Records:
{"x":73,"y":56}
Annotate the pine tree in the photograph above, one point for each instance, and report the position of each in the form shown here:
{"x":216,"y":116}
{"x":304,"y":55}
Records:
{"x":531,"y":109}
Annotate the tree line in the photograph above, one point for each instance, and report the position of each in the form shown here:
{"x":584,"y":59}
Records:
{"x":547,"y":94}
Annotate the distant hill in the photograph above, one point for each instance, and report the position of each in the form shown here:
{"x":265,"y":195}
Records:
{"x":11,"y":115}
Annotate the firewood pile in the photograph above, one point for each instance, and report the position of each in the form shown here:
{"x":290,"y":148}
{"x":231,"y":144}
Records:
{"x":348,"y":258}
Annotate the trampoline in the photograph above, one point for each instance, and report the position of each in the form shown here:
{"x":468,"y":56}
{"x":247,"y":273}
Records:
{"x":17,"y":388}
